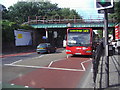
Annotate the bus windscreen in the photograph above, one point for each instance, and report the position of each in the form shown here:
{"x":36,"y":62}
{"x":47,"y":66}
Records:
{"x":79,"y":37}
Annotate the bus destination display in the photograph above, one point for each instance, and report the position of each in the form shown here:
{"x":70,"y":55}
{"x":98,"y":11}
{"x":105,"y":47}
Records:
{"x":80,"y":30}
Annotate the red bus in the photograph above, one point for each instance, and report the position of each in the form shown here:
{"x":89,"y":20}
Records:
{"x":79,"y":41}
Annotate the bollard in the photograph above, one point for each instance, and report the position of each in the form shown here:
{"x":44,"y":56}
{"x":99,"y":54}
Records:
{"x":110,"y":52}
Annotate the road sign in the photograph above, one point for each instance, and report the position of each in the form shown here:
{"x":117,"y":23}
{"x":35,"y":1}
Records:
{"x":104,"y":4}
{"x":110,"y":10}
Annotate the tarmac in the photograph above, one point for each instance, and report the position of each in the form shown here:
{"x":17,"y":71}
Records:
{"x":114,"y":75}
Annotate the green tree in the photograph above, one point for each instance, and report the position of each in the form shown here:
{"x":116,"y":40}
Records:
{"x":70,"y":14}
{"x":100,"y":32}
{"x":4,"y":12}
{"x":20,"y":11}
{"x":26,"y":27}
{"x":116,"y":14}
{"x":8,"y":30}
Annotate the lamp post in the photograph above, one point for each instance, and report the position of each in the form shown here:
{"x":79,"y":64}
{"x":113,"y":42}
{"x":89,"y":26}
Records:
{"x":106,"y":48}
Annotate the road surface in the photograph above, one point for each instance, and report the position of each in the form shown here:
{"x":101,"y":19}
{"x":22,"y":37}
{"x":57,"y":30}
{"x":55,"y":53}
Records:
{"x":53,"y":70}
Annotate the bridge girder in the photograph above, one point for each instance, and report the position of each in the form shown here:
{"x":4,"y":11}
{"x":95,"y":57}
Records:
{"x":90,"y":25}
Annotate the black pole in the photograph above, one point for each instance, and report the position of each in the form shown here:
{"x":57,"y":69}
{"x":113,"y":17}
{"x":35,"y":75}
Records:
{"x":106,"y":48}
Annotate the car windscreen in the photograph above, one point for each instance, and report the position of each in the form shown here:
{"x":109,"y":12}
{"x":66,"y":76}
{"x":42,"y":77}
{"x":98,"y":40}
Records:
{"x":42,"y":45}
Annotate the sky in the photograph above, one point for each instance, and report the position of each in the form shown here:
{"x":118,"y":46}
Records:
{"x":86,"y":8}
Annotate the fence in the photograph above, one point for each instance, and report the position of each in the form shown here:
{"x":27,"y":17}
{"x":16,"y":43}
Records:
{"x":99,"y":68}
{"x":96,"y":59}
{"x":61,"y":20}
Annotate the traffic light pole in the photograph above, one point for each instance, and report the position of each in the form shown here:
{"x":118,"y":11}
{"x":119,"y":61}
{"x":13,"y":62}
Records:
{"x":106,"y":48}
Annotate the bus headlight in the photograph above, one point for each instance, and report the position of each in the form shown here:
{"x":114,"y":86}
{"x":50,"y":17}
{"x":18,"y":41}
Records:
{"x":68,"y":51}
{"x":84,"y":48}
{"x":88,"y":51}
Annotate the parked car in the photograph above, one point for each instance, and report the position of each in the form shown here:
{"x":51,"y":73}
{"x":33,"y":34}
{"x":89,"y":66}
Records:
{"x":45,"y":48}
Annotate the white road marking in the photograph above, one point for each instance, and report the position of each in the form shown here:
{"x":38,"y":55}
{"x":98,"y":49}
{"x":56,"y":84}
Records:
{"x":82,"y":63}
{"x":50,"y":63}
{"x":55,"y":61}
{"x":31,"y":58}
{"x":83,"y":66}
{"x":68,"y":55}
{"x":66,"y":69}
{"x":12,"y":84}
{"x":27,"y":86}
{"x":90,"y":58}
{"x":38,"y":57}
{"x":49,"y":66}
{"x":22,"y":60}
{"x":59,"y":60}
{"x":16,"y":62}
{"x":91,"y":69}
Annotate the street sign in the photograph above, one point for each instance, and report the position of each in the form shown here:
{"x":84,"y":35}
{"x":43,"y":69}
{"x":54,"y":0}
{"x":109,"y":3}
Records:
{"x":104,"y":4}
{"x":110,"y":10}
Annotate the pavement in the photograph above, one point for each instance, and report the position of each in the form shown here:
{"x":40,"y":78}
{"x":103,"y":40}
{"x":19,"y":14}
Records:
{"x":114,"y":75}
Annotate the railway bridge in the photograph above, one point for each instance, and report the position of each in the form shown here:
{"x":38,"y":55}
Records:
{"x":55,"y":29}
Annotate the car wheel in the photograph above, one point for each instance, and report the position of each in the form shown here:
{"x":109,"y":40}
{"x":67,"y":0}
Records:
{"x":54,"y":51}
{"x":48,"y":51}
{"x":38,"y":52}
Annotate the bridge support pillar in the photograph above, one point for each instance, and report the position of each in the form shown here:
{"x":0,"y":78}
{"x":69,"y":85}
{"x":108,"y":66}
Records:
{"x":46,"y":32}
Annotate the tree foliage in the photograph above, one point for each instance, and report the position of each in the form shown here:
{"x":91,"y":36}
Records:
{"x":116,"y":14}
{"x":100,"y":32}
{"x":4,"y":12}
{"x":20,"y":11}
{"x":70,"y":14}
{"x":8,"y":30}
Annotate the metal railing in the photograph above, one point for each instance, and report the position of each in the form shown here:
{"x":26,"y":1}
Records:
{"x":99,"y":66}
{"x":61,"y":20}
{"x":97,"y":54}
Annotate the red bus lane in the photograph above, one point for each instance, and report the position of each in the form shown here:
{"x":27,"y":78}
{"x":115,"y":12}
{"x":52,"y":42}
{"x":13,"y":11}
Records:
{"x":65,"y":73}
